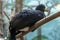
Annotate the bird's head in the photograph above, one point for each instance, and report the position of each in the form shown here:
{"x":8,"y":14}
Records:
{"x":41,"y":7}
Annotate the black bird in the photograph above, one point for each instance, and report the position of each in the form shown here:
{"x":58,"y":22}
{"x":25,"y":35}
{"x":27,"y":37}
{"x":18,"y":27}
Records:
{"x":25,"y":18}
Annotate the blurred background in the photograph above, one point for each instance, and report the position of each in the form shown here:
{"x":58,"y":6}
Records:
{"x":48,"y":31}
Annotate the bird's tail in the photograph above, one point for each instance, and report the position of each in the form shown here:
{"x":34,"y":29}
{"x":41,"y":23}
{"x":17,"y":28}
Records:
{"x":12,"y":35}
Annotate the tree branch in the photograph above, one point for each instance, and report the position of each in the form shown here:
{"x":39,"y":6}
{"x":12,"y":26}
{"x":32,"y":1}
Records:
{"x":6,"y":15}
{"x":41,"y":22}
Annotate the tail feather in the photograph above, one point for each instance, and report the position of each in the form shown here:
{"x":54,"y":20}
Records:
{"x":12,"y":37}
{"x":12,"y":34}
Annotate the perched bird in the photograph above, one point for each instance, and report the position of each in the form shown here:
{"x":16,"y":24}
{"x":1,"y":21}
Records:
{"x":25,"y":18}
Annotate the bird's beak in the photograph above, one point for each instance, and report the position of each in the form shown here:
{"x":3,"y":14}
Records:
{"x":46,"y":9}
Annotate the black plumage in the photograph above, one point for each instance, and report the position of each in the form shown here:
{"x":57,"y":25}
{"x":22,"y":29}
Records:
{"x":26,"y":18}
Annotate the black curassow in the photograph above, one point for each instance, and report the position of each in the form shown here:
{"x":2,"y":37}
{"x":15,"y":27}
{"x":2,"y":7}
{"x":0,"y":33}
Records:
{"x":25,"y":18}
